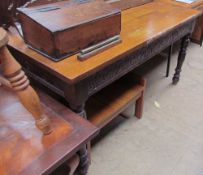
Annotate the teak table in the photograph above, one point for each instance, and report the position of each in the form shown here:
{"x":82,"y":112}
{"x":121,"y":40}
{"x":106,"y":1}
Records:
{"x":146,"y":31}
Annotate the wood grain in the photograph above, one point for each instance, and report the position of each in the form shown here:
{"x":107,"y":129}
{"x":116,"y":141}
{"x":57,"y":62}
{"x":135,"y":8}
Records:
{"x":65,"y":31}
{"x":24,"y":149}
{"x":197,"y":34}
{"x":193,"y":5}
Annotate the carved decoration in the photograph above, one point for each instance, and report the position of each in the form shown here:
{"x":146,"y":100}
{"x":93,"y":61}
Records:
{"x":84,"y":161}
{"x":133,"y":60}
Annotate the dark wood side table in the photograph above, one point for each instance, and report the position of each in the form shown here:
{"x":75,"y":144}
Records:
{"x":24,"y":150}
{"x":146,"y":31}
{"x":197,"y":34}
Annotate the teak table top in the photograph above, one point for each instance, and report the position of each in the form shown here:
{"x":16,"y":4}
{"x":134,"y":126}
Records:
{"x":140,"y":25}
{"x":24,"y":150}
{"x":193,"y":5}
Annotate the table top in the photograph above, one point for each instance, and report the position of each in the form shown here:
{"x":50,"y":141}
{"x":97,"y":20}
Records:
{"x":24,"y":149}
{"x":193,"y":5}
{"x":139,"y":25}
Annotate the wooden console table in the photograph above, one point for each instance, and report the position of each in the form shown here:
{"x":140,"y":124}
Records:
{"x":146,"y":31}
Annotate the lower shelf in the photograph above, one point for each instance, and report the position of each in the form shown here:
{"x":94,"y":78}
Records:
{"x":104,"y":106}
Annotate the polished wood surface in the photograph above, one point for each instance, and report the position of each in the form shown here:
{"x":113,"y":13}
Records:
{"x":105,"y":105}
{"x":20,"y":84}
{"x":140,"y":25}
{"x":197,"y":34}
{"x":24,"y":150}
{"x":144,"y":34}
{"x":193,"y":5}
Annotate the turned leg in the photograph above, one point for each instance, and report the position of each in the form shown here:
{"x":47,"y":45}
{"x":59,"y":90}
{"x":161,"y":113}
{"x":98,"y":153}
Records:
{"x":83,"y":153}
{"x":20,"y":84}
{"x":181,"y":58}
{"x":84,"y":161}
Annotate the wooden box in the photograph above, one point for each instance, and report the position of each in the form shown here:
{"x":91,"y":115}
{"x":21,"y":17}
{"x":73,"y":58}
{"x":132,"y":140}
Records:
{"x":62,"y":29}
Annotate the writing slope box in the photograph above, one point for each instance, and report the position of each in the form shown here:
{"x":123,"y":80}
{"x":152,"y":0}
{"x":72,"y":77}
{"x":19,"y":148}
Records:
{"x":60,"y":30}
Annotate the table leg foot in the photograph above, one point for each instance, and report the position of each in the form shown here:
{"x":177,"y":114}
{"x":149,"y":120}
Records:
{"x":181,"y":58}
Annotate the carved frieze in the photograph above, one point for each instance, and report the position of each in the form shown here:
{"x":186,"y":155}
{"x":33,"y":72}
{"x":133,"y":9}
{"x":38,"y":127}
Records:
{"x":136,"y":58}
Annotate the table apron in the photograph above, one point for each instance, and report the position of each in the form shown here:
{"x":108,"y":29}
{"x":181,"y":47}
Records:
{"x":129,"y":62}
{"x":77,"y":93}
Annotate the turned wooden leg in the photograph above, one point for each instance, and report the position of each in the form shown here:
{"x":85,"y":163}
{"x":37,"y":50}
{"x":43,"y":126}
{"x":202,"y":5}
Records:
{"x":84,"y":161}
{"x":20,"y":84}
{"x":83,"y":153}
{"x":181,"y":58}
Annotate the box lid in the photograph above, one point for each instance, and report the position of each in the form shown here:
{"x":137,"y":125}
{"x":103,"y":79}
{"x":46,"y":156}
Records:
{"x":62,"y":15}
